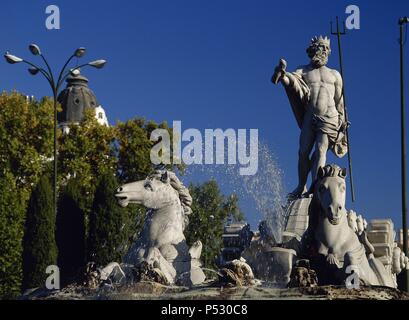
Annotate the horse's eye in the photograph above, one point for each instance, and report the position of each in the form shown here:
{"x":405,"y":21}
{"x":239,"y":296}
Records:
{"x":148,"y":186}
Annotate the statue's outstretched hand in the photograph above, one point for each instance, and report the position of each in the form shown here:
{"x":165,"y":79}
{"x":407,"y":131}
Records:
{"x":279,"y":71}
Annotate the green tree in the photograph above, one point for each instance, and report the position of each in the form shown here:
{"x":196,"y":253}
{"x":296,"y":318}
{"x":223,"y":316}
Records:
{"x":25,"y":149}
{"x":86,"y":153}
{"x":134,"y":149}
{"x":26,"y":138}
{"x":70,"y":233}
{"x":210,"y":209}
{"x":12,"y":211}
{"x":134,"y":146}
{"x":108,"y":231}
{"x":39,"y":245}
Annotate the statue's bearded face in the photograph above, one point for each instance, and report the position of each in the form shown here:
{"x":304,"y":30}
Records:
{"x":318,"y":53}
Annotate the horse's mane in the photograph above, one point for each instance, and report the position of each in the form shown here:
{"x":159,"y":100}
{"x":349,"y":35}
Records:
{"x":331,"y":170}
{"x":183,"y":192}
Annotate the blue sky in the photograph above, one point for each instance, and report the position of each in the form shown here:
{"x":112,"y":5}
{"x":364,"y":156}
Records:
{"x":209,"y":63}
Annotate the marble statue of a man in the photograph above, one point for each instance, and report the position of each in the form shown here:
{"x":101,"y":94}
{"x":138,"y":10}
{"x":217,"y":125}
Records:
{"x":315,"y":95}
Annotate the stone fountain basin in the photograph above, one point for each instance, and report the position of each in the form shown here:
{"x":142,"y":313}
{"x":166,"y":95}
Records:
{"x":281,"y":261}
{"x":207,"y":291}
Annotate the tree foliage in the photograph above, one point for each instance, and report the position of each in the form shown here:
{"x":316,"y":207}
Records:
{"x":210,"y":211}
{"x":25,"y":145}
{"x":109,"y":224}
{"x":25,"y":138}
{"x":39,"y":245}
{"x":134,"y":145}
{"x":86,"y":153}
{"x":70,"y":233}
{"x":11,"y":234}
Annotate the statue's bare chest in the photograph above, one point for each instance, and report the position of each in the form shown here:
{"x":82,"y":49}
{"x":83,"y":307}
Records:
{"x":322,"y":76}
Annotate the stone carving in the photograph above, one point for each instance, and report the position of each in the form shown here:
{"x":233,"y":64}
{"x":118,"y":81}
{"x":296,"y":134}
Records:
{"x":399,"y":260}
{"x":381,"y":234}
{"x":162,"y":242}
{"x":315,"y":95}
{"x":302,"y":275}
{"x":149,"y":272}
{"x":111,"y":274}
{"x":297,"y":221}
{"x":319,"y":229}
{"x":339,"y":238}
{"x":91,"y":276}
{"x":237,"y":273}
{"x":280,"y":265}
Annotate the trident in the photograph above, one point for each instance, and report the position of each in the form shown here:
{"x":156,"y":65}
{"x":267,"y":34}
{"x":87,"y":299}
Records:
{"x":338,"y":33}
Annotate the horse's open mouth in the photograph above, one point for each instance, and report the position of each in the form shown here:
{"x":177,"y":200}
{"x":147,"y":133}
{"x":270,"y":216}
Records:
{"x":122,"y":200}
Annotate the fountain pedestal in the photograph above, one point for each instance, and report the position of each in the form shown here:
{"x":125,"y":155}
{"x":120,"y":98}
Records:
{"x":270,"y":263}
{"x":281,"y":264}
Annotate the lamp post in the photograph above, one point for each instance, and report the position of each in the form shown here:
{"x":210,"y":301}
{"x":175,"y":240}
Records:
{"x":402,"y":21}
{"x":55,"y":84}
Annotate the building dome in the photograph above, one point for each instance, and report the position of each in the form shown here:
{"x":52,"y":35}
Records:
{"x":75,"y":98}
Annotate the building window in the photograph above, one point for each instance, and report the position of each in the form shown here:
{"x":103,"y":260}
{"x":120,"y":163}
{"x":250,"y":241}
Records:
{"x":100,"y":115}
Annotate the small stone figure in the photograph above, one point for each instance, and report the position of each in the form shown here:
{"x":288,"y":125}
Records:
{"x":302,"y":276}
{"x":237,"y":273}
{"x":149,"y":272}
{"x":91,"y":276}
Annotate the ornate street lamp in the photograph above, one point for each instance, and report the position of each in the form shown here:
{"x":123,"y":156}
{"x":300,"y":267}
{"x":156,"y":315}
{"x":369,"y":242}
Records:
{"x":55,"y":86}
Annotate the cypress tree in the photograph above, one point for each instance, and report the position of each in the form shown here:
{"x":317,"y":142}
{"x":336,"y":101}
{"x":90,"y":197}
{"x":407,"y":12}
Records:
{"x":108,"y":227}
{"x":39,"y":246}
{"x":70,"y":233}
{"x":12,"y":211}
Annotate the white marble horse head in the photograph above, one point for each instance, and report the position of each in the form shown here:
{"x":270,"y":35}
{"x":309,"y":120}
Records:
{"x":154,"y":192}
{"x":158,"y":190}
{"x":330,"y":189}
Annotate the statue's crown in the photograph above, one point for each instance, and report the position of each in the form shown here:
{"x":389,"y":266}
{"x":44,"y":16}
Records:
{"x":320,"y":39}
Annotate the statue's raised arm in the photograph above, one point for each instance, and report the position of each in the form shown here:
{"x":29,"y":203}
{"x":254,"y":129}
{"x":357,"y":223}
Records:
{"x":296,"y":88}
